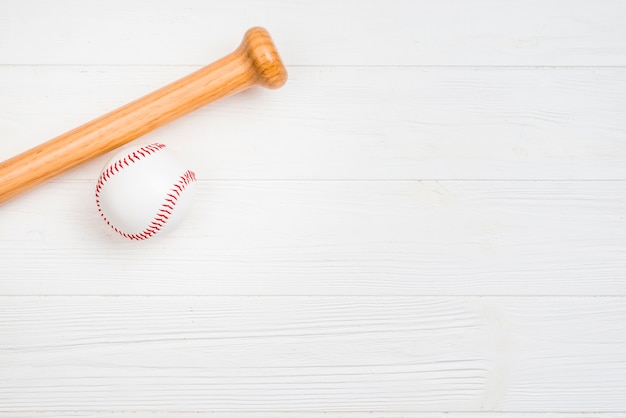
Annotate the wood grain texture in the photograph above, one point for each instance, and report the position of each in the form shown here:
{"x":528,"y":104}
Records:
{"x":325,"y":32}
{"x":331,"y":238}
{"x":313,"y":354}
{"x":345,"y":123}
{"x":305,"y":414}
{"x":432,"y":225}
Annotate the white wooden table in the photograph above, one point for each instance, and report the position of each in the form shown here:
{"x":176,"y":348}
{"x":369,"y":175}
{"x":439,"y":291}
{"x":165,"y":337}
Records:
{"x":429,"y":217}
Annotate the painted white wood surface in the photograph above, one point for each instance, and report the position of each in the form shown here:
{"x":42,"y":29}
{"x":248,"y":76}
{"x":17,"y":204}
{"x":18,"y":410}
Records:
{"x":321,"y":32}
{"x":307,"y":414}
{"x":431,"y":224}
{"x":331,"y":238}
{"x":314,"y":353}
{"x":354,"y":123}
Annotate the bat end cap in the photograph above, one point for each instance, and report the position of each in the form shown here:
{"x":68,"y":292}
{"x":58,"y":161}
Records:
{"x":259,"y":48}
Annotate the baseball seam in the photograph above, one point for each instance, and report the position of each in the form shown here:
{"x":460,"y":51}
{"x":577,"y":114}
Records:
{"x":170,"y":201}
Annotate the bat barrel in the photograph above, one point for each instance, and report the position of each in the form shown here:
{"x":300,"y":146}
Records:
{"x":254,"y":62}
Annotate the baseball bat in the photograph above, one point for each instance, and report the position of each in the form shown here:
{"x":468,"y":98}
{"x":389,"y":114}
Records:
{"x":254,"y":62}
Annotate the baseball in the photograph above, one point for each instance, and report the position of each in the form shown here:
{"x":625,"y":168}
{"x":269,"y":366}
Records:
{"x":144,"y":191}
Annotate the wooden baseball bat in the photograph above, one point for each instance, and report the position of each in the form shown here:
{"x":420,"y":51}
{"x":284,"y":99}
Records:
{"x":254,"y":62}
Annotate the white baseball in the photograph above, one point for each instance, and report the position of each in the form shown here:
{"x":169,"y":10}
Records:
{"x":144,"y":191}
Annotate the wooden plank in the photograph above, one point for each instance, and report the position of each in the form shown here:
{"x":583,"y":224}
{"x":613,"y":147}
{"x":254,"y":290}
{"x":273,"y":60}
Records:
{"x":344,"y":123}
{"x":329,"y":238}
{"x":325,"y":32}
{"x":305,"y":414}
{"x":313,"y":354}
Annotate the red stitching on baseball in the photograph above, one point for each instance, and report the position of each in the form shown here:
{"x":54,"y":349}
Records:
{"x":166,"y":208}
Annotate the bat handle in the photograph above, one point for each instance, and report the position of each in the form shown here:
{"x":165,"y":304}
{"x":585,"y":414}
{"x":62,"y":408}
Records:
{"x":254,"y":62}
